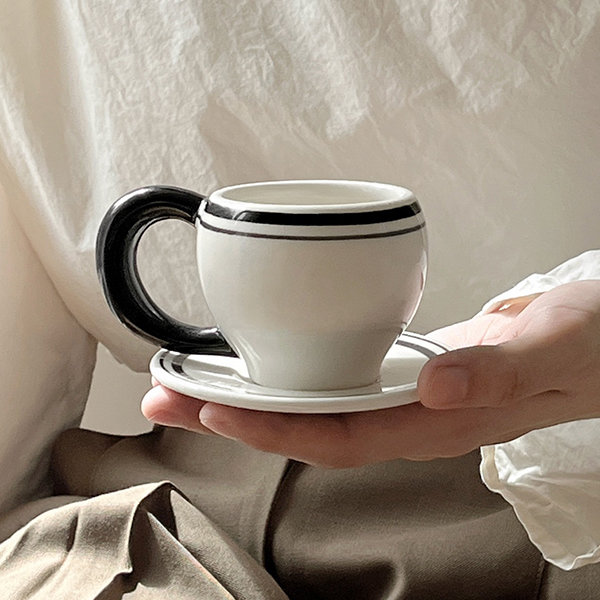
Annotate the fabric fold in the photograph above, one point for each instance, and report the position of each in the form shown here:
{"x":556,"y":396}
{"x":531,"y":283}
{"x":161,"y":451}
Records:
{"x":144,"y":542}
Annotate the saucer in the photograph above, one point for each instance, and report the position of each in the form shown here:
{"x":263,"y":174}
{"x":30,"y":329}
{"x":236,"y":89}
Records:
{"x":225,"y":380}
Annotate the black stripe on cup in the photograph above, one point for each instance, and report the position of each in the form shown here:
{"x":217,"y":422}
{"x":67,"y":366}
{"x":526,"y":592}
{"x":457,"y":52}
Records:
{"x":395,"y":221}
{"x":313,"y":219}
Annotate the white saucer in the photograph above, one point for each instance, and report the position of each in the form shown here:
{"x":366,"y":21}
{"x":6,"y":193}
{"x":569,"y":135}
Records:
{"x":225,"y":380}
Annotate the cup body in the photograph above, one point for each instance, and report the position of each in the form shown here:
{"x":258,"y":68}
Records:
{"x":310,"y":282}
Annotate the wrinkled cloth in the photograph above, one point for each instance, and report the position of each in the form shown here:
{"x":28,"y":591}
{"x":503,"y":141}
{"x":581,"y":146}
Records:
{"x":140,"y":543}
{"x":399,"y":530}
{"x":488,"y":112}
{"x":551,"y":476}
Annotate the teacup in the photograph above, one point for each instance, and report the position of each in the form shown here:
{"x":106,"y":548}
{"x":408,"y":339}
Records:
{"x":310,"y":282}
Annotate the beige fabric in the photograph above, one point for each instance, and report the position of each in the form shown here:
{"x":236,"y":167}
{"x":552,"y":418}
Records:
{"x":140,"y":543}
{"x":398,"y":530}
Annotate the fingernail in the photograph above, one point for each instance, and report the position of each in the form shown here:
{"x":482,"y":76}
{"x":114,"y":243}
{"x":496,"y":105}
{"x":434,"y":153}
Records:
{"x":164,"y":417}
{"x":211,"y":417}
{"x":449,"y":386}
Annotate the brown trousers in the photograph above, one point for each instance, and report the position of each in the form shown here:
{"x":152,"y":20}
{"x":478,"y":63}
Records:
{"x":176,"y":515}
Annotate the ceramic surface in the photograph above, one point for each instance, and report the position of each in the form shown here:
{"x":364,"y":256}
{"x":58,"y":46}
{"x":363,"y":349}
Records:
{"x":310,"y":282}
{"x":225,"y":380}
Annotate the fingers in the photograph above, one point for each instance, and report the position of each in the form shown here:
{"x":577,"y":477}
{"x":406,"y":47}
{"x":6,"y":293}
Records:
{"x":315,"y":439}
{"x":515,"y":305}
{"x":350,"y":440}
{"x":487,"y":328}
{"x":552,"y":344}
{"x":331,"y":441}
{"x":540,"y":360}
{"x":544,"y":370}
{"x":411,"y":432}
{"x":166,"y":407}
{"x":478,"y":376}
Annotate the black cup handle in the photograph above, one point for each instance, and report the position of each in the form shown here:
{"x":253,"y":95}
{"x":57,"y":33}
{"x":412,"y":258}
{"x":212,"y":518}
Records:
{"x":116,"y":262}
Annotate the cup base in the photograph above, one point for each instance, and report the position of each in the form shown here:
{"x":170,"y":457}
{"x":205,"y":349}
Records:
{"x":318,"y":362}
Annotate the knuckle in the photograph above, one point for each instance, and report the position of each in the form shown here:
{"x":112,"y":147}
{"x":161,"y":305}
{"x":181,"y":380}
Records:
{"x":454,"y":446}
{"x":500,"y":379}
{"x":461,"y":437}
{"x":341,"y":458}
{"x":510,"y":388}
{"x":344,"y":449}
{"x":262,"y":442}
{"x":457,"y":447}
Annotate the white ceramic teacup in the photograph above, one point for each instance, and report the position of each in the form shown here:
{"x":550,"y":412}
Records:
{"x":310,"y":282}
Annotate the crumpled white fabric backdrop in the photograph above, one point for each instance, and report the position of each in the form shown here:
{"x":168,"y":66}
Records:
{"x":488,"y":111}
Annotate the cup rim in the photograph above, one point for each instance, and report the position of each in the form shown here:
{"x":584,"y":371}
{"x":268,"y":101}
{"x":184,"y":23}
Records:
{"x":390,"y":196}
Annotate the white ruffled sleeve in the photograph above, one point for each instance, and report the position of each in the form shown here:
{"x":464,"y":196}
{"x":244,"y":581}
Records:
{"x":551,"y":476}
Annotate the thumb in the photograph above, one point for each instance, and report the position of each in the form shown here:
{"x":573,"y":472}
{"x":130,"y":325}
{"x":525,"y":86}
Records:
{"x":494,"y":376}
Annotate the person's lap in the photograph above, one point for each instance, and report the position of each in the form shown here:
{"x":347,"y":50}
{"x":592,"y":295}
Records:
{"x":233,"y":520}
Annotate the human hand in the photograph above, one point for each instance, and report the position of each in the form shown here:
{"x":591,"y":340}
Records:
{"x":529,"y":366}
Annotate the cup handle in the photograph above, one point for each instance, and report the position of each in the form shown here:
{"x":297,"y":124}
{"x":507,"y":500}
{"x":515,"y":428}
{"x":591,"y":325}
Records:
{"x":116,"y":262}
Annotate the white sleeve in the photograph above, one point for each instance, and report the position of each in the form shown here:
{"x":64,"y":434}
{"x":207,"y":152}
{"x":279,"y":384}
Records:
{"x":551,"y":476}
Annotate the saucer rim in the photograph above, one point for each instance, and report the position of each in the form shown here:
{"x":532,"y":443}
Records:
{"x":303,"y":402}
